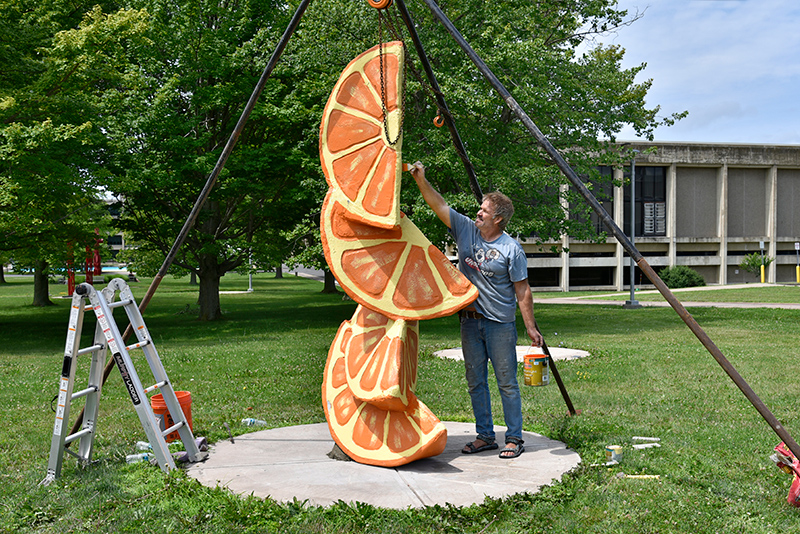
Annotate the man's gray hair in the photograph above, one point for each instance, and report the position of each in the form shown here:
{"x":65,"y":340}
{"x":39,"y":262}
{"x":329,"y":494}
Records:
{"x":503,"y":207}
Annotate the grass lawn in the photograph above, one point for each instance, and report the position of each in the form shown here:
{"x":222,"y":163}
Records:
{"x":647,"y":376}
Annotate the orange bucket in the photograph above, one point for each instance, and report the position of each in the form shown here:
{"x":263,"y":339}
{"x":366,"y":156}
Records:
{"x":165,"y":419}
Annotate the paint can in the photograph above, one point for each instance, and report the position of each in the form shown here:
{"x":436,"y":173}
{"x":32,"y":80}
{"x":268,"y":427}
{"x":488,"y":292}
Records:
{"x":535,"y":367}
{"x":613,"y":453}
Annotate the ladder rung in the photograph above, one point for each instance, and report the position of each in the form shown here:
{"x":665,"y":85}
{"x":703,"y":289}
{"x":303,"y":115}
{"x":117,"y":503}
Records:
{"x":173,"y":428}
{"x":89,"y":349}
{"x":139,"y":345}
{"x":156,"y":386}
{"x":84,"y":392}
{"x":119,"y":303}
{"x":77,"y":435}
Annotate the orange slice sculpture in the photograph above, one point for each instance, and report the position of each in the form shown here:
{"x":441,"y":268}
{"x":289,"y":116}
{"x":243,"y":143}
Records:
{"x":384,"y":262}
{"x":381,"y":360}
{"x":358,"y":159}
{"x":367,"y":433}
{"x":395,"y":270}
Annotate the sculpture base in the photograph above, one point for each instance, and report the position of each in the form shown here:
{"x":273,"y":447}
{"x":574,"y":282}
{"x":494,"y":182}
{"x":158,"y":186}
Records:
{"x":292,"y":462}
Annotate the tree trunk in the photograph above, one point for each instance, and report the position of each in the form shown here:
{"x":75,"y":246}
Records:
{"x":279,"y":271}
{"x":209,"y":288}
{"x":41,"y":286}
{"x":330,"y":283}
{"x":193,"y":278}
{"x":2,"y":274}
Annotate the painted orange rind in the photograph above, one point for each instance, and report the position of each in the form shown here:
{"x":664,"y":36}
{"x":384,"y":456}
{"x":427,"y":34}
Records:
{"x":395,"y":270}
{"x":381,"y":360}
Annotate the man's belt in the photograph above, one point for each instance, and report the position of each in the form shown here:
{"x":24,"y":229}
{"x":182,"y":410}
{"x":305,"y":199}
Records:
{"x":470,"y":314}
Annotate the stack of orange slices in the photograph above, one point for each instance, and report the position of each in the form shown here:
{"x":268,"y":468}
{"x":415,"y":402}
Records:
{"x":381,"y":260}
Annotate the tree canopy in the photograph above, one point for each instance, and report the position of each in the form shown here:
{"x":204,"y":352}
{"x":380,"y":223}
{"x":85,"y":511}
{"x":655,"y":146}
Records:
{"x":193,"y":83}
{"x":139,"y":97}
{"x":548,"y":53}
{"x":58,"y":59}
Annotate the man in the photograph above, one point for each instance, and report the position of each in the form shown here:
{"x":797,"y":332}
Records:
{"x":496,"y":264}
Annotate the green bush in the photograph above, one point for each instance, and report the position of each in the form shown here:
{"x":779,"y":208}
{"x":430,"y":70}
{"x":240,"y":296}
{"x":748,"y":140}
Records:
{"x":752,"y":263}
{"x":681,"y":276}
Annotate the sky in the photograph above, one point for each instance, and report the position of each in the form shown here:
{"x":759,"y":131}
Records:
{"x":734,"y":65}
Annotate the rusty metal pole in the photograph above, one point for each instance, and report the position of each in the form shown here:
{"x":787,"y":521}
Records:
{"x":552,"y":363}
{"x":576,"y":182}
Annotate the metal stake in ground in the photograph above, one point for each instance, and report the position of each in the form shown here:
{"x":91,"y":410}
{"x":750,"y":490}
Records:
{"x":617,"y":232}
{"x":552,"y":363}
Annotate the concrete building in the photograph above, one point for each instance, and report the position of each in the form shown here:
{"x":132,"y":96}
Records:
{"x":702,"y":205}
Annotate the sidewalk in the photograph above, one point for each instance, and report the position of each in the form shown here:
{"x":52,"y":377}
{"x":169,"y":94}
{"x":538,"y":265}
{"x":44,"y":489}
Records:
{"x":623,"y":296}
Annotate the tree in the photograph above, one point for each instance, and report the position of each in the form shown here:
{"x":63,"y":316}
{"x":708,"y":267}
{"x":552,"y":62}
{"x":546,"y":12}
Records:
{"x":57,"y":60}
{"x":206,"y":60}
{"x":753,"y":262}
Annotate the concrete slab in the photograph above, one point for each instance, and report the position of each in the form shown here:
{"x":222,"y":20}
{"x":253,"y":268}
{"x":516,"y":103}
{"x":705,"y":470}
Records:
{"x":558,"y":353}
{"x":292,"y":462}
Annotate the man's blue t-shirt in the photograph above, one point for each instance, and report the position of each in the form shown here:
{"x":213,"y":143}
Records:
{"x":492,"y":266}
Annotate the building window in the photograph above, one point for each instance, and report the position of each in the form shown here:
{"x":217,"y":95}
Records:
{"x":603,"y":191}
{"x":651,"y":201}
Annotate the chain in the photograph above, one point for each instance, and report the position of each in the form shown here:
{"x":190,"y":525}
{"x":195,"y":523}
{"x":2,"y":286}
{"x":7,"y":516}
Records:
{"x":426,"y":87}
{"x":383,"y":87}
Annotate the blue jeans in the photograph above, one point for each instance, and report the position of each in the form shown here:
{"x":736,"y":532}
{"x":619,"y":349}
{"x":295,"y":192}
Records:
{"x":483,"y":340}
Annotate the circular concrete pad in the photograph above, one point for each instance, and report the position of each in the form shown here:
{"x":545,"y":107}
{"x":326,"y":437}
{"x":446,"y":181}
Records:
{"x":292,"y":462}
{"x":557,"y":353}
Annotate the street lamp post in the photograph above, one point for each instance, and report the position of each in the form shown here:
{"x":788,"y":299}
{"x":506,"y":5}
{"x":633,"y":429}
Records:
{"x":250,"y":272}
{"x":633,"y":303}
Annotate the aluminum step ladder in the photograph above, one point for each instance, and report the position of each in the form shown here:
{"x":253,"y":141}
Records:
{"x":108,"y":337}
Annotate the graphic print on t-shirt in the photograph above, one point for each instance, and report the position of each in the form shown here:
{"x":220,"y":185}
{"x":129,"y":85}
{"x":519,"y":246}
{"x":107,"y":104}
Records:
{"x":481,"y":256}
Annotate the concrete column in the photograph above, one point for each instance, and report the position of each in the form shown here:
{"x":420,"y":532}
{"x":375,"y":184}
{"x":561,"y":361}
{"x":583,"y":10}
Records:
{"x":772,"y":223}
{"x":672,"y":210}
{"x":722,"y":229}
{"x":619,"y":200}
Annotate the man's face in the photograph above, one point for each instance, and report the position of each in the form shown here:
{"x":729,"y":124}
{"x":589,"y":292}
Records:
{"x":486,"y":219}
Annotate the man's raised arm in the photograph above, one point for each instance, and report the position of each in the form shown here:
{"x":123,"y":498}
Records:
{"x":432,"y":197}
